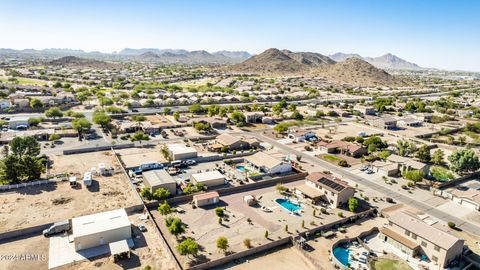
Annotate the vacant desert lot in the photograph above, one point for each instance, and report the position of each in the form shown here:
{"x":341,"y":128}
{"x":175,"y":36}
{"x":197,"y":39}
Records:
{"x":134,"y":157}
{"x":36,"y":247}
{"x":38,"y":205}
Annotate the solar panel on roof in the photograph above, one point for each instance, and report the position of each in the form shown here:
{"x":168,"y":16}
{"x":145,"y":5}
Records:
{"x":331,"y":184}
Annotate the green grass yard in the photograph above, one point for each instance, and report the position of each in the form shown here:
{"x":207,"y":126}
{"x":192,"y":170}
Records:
{"x":26,"y":81}
{"x":389,"y":264}
{"x":331,"y":158}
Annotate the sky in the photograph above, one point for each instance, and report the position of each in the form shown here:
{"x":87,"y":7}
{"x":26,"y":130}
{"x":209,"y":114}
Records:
{"x":431,"y":33}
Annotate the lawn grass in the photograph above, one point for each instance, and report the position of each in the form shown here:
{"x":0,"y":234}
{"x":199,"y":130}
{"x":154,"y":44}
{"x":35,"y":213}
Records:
{"x":331,"y":158}
{"x":441,"y":174}
{"x":389,"y":264}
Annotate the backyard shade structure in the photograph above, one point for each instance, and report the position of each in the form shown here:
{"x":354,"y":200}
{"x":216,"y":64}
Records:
{"x":100,"y":229}
{"x":205,"y":199}
{"x":118,"y":248}
{"x":250,"y":199}
{"x":209,"y":179}
{"x":156,"y":179}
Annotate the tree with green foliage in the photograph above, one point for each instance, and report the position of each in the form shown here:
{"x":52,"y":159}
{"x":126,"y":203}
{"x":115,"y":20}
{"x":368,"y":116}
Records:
{"x":22,"y":162}
{"x":188,"y":247}
{"x":376,"y":142}
{"x":53,"y":112}
{"x":164,"y":209}
{"x":167,"y":110}
{"x":176,"y":115}
{"x":24,"y":146}
{"x":146,"y":194}
{"x":464,"y":161}
{"x":237,"y":118}
{"x":81,"y":125}
{"x":281,"y":127}
{"x":406,"y":148}
{"x":222,"y":243}
{"x":139,"y":136}
{"x":219,"y":212}
{"x":161,"y":193}
{"x":423,"y":153}
{"x":54,"y":137}
{"x":414,"y":175}
{"x":175,"y":226}
{"x":35,"y":103}
{"x":196,"y":109}
{"x":383,"y":155}
{"x":352,"y":204}
{"x":101,"y":118}
{"x":297,"y":115}
{"x":202,"y":126}
{"x":34,"y":121}
{"x":281,"y":188}
{"x":438,"y":157}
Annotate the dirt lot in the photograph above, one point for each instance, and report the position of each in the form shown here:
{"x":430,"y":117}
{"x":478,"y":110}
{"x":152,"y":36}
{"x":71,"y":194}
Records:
{"x":42,"y":204}
{"x":134,"y":157}
{"x":35,"y":247}
{"x":284,"y":259}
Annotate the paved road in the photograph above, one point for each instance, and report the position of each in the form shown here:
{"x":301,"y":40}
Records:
{"x":463,"y":224}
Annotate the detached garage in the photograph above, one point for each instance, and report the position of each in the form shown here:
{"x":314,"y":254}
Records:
{"x":209,"y":179}
{"x":159,"y":179}
{"x":100,"y":229}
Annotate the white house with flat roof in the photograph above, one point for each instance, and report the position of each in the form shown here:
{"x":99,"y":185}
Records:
{"x":100,"y":229}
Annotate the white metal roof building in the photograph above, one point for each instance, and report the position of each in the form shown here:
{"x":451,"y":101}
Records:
{"x":209,"y":179}
{"x":180,"y":151}
{"x":100,"y":229}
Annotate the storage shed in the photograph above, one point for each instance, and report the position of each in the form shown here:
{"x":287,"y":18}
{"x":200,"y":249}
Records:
{"x":205,"y":199}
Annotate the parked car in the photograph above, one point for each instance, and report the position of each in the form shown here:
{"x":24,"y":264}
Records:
{"x":57,"y":227}
{"x":191,"y":162}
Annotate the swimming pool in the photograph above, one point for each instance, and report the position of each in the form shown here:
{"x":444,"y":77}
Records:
{"x":288,"y":205}
{"x":342,"y":254}
{"x":240,"y":168}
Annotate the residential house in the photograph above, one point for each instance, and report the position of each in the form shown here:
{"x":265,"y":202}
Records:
{"x":323,"y":187}
{"x":385,"y":123}
{"x":299,"y":135}
{"x":265,"y":163}
{"x":232,"y":143}
{"x":364,"y":110}
{"x":417,"y":236}
{"x":346,"y":148}
{"x":254,"y":117}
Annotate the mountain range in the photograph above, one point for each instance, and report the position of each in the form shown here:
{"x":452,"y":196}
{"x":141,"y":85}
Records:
{"x":151,"y":55}
{"x":387,"y":61}
{"x":354,"y":71}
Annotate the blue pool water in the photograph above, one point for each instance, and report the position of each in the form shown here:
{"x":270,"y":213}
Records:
{"x":288,"y":205}
{"x":342,"y":255}
{"x":240,"y":168}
